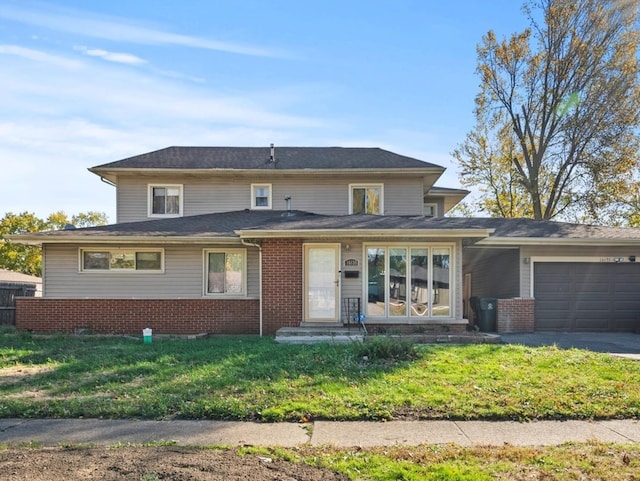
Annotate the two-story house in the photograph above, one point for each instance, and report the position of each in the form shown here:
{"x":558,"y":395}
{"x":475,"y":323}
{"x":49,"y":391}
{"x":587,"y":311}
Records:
{"x":248,"y":240}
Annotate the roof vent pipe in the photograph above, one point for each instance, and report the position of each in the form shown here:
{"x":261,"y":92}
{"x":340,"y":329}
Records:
{"x":288,"y":199}
{"x":272,"y":159}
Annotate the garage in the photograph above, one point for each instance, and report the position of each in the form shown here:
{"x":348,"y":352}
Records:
{"x":587,"y":296}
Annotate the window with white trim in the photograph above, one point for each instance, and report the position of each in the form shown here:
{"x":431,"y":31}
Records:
{"x":431,"y":210}
{"x":261,"y":196}
{"x":225,"y":272}
{"x":366,"y":199}
{"x":409,"y":281}
{"x":165,"y":200}
{"x":122,"y":260}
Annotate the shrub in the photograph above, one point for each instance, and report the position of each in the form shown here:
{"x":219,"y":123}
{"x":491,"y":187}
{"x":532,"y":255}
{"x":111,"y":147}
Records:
{"x":383,"y":348}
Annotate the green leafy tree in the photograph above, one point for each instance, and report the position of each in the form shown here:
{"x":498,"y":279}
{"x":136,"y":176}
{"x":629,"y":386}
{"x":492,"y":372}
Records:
{"x":59,"y":220}
{"x":19,"y":257}
{"x":89,"y":219}
{"x":557,"y":113}
{"x":28,"y":258}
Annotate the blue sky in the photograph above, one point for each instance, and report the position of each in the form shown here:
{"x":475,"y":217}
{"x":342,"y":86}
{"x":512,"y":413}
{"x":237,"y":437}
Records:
{"x":85,"y":83}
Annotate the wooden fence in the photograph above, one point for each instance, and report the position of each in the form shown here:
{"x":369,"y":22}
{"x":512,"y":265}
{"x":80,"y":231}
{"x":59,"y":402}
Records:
{"x":8,"y":293}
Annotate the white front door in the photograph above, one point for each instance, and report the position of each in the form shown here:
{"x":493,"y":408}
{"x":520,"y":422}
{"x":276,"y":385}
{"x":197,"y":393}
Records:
{"x":322,"y":282}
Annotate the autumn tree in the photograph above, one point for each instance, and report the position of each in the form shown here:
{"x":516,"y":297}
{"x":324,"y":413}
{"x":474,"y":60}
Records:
{"x":27,"y":258}
{"x":557,"y":111}
{"x":486,"y":158}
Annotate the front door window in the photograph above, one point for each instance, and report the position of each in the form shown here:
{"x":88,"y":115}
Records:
{"x":322,"y":283}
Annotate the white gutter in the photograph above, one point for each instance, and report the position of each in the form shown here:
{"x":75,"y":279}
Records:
{"x":252,"y":172}
{"x":247,"y":242}
{"x":39,"y":239}
{"x":545,"y":241}
{"x":112,"y":173}
{"x":364,"y":233}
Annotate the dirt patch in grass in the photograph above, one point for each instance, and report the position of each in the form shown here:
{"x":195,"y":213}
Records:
{"x":18,"y":373}
{"x":151,"y":464}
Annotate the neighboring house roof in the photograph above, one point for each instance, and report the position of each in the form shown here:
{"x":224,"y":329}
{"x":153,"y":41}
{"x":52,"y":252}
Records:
{"x":248,"y":224}
{"x":259,"y":158}
{"x":11,"y":277}
{"x":18,"y":277}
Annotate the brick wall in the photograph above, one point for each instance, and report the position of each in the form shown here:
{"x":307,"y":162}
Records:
{"x":130,"y":316}
{"x":282,"y":287}
{"x":515,"y":315}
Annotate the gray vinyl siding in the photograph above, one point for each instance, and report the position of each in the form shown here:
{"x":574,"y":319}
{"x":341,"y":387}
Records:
{"x":210,"y":197}
{"x":132,"y":200}
{"x":352,"y":287}
{"x":322,"y":195}
{"x":439,"y":201}
{"x":183,"y":276}
{"x":494,"y":273}
{"x":403,"y":197}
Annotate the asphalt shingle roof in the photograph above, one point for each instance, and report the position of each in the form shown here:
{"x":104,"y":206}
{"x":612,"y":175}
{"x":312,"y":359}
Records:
{"x":293,"y":158}
{"x":530,"y":228}
{"x":228,"y":223}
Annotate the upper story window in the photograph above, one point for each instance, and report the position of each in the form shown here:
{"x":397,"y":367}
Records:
{"x":165,"y":200}
{"x":261,"y":196}
{"x":366,"y":199}
{"x":431,"y":210}
{"x":121,"y":260}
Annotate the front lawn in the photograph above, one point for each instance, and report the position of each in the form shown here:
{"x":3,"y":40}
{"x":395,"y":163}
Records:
{"x":252,"y":378}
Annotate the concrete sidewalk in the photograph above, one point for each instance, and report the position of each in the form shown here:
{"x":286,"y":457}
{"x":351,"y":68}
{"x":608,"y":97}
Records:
{"x":53,"y":432}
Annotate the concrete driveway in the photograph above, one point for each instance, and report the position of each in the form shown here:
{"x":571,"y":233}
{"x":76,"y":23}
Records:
{"x":625,"y":344}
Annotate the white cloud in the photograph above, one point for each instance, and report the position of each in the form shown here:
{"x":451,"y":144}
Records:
{"x":38,"y":56}
{"x":117,"y":57}
{"x":119,"y":29}
{"x":58,"y":121}
{"x":62,"y":114}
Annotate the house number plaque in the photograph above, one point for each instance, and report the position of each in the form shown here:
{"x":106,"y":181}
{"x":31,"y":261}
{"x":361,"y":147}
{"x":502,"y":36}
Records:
{"x":351,"y":263}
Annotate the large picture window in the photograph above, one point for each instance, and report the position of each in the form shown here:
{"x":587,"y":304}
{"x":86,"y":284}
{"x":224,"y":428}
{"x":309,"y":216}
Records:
{"x":366,"y":199}
{"x":225,"y":272}
{"x":121,"y":260}
{"x":409,"y":281}
{"x":165,"y":200}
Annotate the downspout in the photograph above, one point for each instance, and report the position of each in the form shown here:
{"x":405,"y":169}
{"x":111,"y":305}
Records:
{"x":257,"y":244}
{"x":108,"y":182}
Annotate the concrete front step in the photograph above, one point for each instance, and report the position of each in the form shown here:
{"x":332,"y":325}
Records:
{"x":312,"y":335}
{"x":318,"y":339}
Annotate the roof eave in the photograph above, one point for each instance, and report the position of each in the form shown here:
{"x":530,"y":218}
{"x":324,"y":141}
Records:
{"x":40,"y":240}
{"x":544,"y":241}
{"x":362,"y":233}
{"x":112,"y":173}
